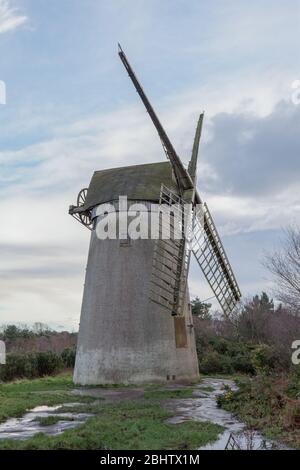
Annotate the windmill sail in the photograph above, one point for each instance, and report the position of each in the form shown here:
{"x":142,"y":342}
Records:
{"x":171,"y":258}
{"x":183,"y":178}
{"x":192,"y":168}
{"x":167,"y":281}
{"x":210,"y":254}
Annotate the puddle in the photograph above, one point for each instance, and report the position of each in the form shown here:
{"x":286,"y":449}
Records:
{"x":26,"y":427}
{"x":203,"y":407}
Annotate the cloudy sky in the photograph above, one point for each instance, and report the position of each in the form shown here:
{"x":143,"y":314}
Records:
{"x":71,"y":110}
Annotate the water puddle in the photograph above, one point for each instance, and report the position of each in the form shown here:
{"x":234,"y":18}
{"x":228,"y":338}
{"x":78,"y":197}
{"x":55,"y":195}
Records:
{"x":28,"y":425}
{"x":203,"y":407}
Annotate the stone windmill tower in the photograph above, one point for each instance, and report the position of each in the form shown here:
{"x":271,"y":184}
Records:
{"x":136,"y":324}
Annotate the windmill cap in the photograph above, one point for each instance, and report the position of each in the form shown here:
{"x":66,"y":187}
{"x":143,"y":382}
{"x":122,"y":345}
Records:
{"x":137,"y":182}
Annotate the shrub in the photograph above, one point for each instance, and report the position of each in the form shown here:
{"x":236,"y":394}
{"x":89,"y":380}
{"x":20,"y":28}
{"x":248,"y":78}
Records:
{"x":241,"y":363}
{"x":214,"y":363}
{"x":17,"y":365}
{"x":223,"y":355}
{"x":68,"y":356}
{"x":31,"y":365}
{"x":219,"y":344}
{"x":264,"y":359}
{"x":48,"y":363}
{"x":293,"y":389}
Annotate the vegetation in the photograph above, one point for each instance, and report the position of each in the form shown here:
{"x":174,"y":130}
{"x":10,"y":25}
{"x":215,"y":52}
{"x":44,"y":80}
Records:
{"x":128,"y":425}
{"x":285,"y":267}
{"x":17,"y":397}
{"x":257,"y":338}
{"x":36,"y":364}
{"x":50,"y":420}
{"x":201,"y":309}
{"x":13,"y":332}
{"x":268,"y":403}
{"x":257,"y":342}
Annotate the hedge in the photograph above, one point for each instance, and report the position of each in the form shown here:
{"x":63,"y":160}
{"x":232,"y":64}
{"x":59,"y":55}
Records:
{"x":37,"y":364}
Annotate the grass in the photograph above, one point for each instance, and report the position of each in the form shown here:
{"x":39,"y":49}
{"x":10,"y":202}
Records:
{"x":129,"y":425}
{"x":17,"y":397}
{"x":126,"y":426}
{"x":50,"y":420}
{"x":58,"y":382}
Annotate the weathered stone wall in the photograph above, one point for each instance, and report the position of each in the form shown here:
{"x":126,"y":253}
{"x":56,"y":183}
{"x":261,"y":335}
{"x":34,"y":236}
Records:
{"x":124,"y":337}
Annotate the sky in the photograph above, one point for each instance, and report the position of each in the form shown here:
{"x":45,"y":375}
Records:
{"x":71,"y":109}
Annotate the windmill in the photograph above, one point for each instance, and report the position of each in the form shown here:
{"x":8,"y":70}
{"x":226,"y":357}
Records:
{"x":136,"y":323}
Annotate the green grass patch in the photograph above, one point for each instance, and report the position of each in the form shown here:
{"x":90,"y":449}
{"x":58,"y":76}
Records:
{"x":58,"y":382}
{"x":18,"y":397}
{"x":125,"y":426}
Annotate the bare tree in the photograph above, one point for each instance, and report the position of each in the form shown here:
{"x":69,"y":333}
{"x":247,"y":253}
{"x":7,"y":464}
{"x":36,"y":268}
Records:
{"x":285,"y":267}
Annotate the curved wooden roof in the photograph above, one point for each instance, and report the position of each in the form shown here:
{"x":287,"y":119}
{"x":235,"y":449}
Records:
{"x":137,"y":182}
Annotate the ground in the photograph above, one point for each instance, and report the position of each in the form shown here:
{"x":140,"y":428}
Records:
{"x":128,"y":418}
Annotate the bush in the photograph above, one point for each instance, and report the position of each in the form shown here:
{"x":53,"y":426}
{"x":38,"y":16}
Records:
{"x":257,"y":337}
{"x":293,"y":389}
{"x":48,"y":363}
{"x":68,"y":356}
{"x":17,"y":365}
{"x":241,"y":363}
{"x":35,"y":364}
{"x":264,"y":359}
{"x":219,"y":344}
{"x":214,"y":363}
{"x":223,"y":355}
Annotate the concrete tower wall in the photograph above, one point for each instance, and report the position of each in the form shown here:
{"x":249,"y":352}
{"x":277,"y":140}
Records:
{"x":124,"y":337}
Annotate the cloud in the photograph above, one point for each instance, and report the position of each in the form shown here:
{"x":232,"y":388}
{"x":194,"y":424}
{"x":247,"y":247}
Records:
{"x":249,"y":169}
{"x":10,"y":18}
{"x":254,"y":155}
